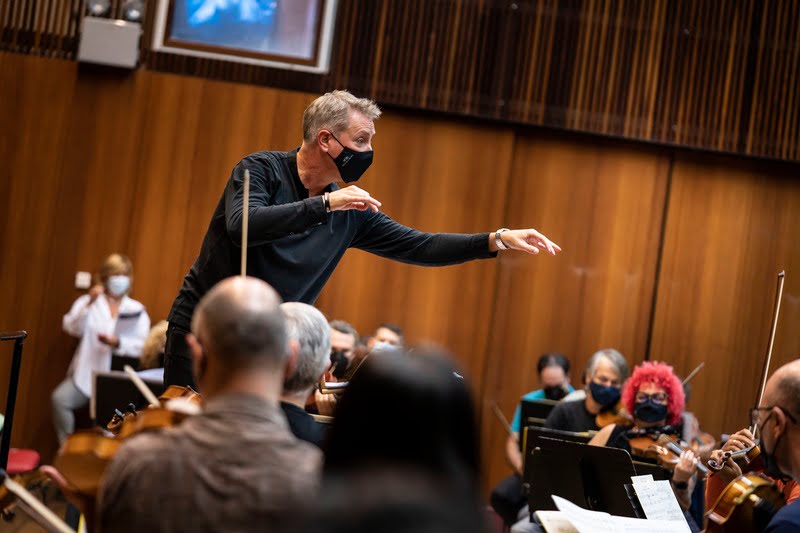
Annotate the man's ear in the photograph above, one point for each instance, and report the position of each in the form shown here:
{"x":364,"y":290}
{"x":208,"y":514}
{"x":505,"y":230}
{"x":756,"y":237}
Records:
{"x":291,"y":359}
{"x":324,"y":140}
{"x":199,"y":361}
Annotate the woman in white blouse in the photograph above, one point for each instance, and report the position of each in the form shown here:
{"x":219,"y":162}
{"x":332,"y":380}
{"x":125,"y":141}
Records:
{"x":106,"y":321}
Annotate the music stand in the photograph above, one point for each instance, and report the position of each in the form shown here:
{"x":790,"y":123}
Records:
{"x":593,"y":477}
{"x":115,"y":390}
{"x":11,"y":400}
{"x":535,"y":412}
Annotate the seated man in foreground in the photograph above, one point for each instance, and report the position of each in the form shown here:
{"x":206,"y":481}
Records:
{"x":236,"y":466}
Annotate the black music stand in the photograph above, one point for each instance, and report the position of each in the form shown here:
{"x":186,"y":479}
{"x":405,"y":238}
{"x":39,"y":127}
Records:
{"x":115,"y":390}
{"x":11,"y":400}
{"x":535,"y":412}
{"x":593,"y":477}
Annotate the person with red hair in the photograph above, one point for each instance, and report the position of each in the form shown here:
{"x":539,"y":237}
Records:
{"x":654,"y":396}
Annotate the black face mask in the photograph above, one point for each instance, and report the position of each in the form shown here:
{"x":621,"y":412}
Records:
{"x":650,"y":411}
{"x":605,"y":396}
{"x":339,"y":360}
{"x":351,"y":164}
{"x":554,"y":393}
{"x":770,"y":461}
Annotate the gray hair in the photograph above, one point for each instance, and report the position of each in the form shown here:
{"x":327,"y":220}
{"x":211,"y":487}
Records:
{"x":306,"y":325}
{"x":331,"y":111}
{"x":616,"y":359}
{"x":239,"y":320}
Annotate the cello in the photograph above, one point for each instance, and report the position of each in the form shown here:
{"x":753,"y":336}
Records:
{"x":749,"y":501}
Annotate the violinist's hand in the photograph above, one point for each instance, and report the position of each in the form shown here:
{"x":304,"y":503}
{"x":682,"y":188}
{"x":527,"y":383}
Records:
{"x":526,"y":240}
{"x":85,"y":504}
{"x":326,"y":403}
{"x":686,"y":467}
{"x":741,"y":440}
{"x":110,"y":340}
{"x":94,"y":292}
{"x":730,"y":470}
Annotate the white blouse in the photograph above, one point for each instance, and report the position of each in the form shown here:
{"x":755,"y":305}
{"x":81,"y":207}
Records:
{"x":85,"y":321}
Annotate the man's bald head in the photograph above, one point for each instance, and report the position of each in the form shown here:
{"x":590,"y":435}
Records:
{"x":239,"y":321}
{"x":783,"y":388}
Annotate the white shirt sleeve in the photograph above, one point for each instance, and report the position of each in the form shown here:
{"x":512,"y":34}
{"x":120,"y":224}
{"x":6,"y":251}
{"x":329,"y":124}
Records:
{"x":74,"y":321}
{"x":131,"y":341}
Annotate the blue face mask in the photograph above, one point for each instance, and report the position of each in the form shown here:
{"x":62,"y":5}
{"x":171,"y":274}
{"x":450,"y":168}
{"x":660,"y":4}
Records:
{"x":604,"y":395}
{"x":650,"y":411}
{"x":118,"y":285}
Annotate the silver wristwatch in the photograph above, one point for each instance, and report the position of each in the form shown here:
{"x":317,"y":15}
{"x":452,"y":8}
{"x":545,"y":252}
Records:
{"x":498,"y":241}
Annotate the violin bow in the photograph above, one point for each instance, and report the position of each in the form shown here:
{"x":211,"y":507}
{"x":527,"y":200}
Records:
{"x":34,"y":508}
{"x":503,"y":420}
{"x":144,"y":389}
{"x":693,"y":373}
{"x":773,"y":329}
{"x":245,"y":217}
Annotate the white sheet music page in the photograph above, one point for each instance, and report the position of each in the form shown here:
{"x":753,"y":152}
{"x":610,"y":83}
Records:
{"x":658,"y":501}
{"x":594,"y":522}
{"x":555,"y":522}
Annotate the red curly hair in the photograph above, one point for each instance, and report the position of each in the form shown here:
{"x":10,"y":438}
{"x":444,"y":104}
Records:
{"x":662,"y":375}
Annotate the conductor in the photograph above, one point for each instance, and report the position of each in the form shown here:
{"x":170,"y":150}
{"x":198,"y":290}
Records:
{"x":301,"y":223}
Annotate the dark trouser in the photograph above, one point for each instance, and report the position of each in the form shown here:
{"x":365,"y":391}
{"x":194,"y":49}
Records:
{"x":507,"y":499}
{"x":178,"y":368}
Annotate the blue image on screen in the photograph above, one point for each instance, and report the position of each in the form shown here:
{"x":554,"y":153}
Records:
{"x":242,"y":24}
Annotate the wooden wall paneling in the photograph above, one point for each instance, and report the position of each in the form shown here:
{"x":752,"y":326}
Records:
{"x":36,"y":118}
{"x":730,"y":227}
{"x":433,"y":176}
{"x":603,"y":204}
{"x":159,"y":225}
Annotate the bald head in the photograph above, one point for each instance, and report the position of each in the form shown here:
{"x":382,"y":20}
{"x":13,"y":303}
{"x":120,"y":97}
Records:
{"x":239,"y":321}
{"x":783,"y":388}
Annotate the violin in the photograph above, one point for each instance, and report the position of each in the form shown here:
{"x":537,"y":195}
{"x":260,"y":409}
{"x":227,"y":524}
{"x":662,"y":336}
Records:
{"x":83,"y":458}
{"x":660,"y":446}
{"x":173,"y":394}
{"x":747,"y":504}
{"x":617,"y":415}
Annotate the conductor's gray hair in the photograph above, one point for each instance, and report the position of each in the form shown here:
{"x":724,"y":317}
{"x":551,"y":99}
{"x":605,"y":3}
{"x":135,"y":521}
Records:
{"x":616,"y":359}
{"x":308,"y":327}
{"x":331,"y":112}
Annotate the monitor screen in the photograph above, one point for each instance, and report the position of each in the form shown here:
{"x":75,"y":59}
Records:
{"x":279,"y":33}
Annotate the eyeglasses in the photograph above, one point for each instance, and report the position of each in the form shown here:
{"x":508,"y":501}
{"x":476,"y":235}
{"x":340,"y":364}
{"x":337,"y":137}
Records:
{"x":757,"y":415}
{"x":660,"y":398}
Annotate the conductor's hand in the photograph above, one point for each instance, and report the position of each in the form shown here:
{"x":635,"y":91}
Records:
{"x":526,"y":240}
{"x":353,"y":197}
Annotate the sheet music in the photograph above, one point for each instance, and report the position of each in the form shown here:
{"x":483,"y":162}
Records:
{"x":658,"y":501}
{"x":555,"y":522}
{"x":594,"y":522}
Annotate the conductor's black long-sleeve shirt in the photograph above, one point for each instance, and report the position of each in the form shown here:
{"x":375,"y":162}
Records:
{"x":294,"y":245}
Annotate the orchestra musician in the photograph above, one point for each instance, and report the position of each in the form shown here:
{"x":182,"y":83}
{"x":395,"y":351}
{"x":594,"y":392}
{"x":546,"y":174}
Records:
{"x":777,"y":418}
{"x":654,"y":396}
{"x":235,"y":466}
{"x":605,"y":373}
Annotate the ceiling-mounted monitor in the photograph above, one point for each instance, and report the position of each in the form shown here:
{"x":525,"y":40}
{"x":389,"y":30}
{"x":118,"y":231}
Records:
{"x":291,"y":34}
